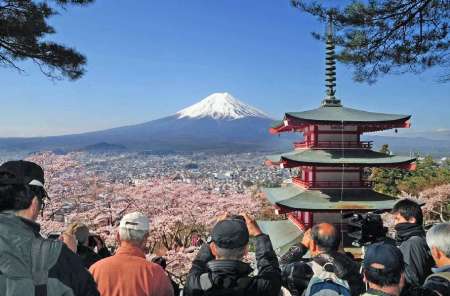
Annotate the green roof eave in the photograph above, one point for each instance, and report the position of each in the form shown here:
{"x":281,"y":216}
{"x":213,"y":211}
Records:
{"x":347,"y":115}
{"x":277,"y":124}
{"x":296,"y":198}
{"x":340,"y":157}
{"x":283,"y":234}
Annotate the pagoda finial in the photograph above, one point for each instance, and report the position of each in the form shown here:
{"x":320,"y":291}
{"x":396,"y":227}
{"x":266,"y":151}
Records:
{"x":330,"y":75}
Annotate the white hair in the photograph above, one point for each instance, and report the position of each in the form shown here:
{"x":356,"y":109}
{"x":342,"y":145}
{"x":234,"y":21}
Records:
{"x":132,"y":235}
{"x":439,"y":237}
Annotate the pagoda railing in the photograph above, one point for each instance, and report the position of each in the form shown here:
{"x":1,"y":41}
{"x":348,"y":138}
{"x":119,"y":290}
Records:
{"x":333,"y":184}
{"x":334,"y":144}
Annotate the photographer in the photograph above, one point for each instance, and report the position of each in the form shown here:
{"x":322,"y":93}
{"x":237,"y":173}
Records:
{"x":322,"y":242}
{"x":86,"y":244}
{"x":218,"y":268}
{"x":31,"y":264}
{"x":410,"y":237}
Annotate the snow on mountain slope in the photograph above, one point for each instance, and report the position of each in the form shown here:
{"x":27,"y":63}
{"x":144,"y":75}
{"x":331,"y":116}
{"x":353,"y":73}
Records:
{"x":220,"y":106}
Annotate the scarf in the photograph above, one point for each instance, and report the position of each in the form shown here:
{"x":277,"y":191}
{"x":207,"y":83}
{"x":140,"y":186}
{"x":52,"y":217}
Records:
{"x":405,"y":231}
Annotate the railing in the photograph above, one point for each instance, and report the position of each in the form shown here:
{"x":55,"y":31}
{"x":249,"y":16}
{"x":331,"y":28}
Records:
{"x":333,"y":184}
{"x":334,"y":144}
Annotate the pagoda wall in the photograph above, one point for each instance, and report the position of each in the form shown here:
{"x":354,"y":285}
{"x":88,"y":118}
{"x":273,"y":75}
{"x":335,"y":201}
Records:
{"x":338,"y":137}
{"x":337,"y":176}
{"x":321,"y":217}
{"x":330,"y":135}
{"x":335,"y":133}
{"x":331,"y":177}
{"x":337,"y":127}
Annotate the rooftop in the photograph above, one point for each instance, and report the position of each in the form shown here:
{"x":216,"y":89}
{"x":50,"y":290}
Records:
{"x":341,"y":115}
{"x":296,"y":198}
{"x":356,"y":157}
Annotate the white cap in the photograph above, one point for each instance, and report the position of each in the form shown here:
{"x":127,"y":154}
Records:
{"x":135,"y":221}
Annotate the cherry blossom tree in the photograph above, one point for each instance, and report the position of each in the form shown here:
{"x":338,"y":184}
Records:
{"x":437,"y":203}
{"x":178,"y":211}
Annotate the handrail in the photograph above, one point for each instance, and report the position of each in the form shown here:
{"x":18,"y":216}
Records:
{"x":334,"y":144}
{"x":333,"y":184}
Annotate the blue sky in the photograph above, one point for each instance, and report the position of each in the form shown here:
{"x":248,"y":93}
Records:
{"x":148,"y":59}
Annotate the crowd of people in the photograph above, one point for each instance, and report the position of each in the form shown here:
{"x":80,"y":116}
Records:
{"x":78,"y":263}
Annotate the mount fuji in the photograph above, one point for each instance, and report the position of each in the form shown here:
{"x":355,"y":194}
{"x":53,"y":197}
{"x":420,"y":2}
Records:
{"x":219,"y":122}
{"x":220,"y":106}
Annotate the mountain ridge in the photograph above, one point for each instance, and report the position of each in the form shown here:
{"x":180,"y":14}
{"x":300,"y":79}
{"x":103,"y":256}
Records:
{"x":219,"y":122}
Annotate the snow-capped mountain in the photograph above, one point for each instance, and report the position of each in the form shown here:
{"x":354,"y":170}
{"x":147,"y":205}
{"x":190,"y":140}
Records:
{"x":220,"y":106}
{"x":218,"y":122}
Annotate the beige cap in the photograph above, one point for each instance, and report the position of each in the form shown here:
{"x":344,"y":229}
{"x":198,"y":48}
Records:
{"x":135,"y":221}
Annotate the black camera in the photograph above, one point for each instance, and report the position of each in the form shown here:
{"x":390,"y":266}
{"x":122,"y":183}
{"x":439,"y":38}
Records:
{"x":365,"y":228}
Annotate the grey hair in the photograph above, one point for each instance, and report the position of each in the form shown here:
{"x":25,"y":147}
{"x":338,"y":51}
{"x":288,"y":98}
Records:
{"x":132,"y":235}
{"x":230,"y":254}
{"x":439,"y":237}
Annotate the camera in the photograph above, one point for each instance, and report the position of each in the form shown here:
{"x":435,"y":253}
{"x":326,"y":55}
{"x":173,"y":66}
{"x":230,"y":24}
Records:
{"x":365,"y":228}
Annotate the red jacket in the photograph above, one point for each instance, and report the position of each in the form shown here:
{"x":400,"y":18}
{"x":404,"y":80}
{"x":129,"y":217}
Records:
{"x":128,"y":273}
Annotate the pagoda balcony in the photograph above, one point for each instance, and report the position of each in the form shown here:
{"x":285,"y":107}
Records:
{"x":334,"y":145}
{"x":332,"y":184}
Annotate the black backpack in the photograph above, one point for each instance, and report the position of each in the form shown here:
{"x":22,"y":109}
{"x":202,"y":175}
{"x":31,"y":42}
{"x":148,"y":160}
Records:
{"x":224,"y":286}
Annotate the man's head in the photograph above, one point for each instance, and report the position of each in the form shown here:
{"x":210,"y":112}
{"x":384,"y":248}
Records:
{"x":133,"y":229}
{"x":438,"y":239}
{"x":324,"y":238}
{"x":383,"y":267}
{"x":229,"y":239}
{"x":22,"y":188}
{"x":80,"y":231}
{"x":407,"y":211}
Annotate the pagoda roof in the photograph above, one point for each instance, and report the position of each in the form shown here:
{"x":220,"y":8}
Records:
{"x":282,"y":233}
{"x":357,"y":157}
{"x":338,"y":115}
{"x":296,"y":198}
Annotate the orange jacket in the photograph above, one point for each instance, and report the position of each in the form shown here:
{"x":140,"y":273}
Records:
{"x":128,"y":273}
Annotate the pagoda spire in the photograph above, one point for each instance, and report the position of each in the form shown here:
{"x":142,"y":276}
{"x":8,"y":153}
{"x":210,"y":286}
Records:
{"x":330,"y":73}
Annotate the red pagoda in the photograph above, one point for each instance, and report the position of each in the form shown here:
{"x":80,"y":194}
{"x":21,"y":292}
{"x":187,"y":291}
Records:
{"x":331,"y":161}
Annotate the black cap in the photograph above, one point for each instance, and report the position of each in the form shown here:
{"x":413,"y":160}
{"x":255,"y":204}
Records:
{"x":230,"y":234}
{"x":385,"y":254}
{"x":25,"y":172}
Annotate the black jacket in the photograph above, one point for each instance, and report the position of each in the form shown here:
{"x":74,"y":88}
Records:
{"x":69,"y":269}
{"x":89,"y":257}
{"x":224,"y":273}
{"x":297,"y":270}
{"x":416,"y":254}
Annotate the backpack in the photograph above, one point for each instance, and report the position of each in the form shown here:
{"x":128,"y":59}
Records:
{"x":439,"y":276}
{"x":25,"y":261}
{"x":443,"y":275}
{"x":326,"y":283}
{"x":228,"y":286}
